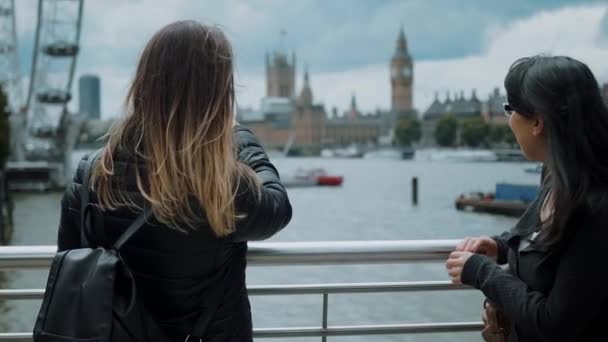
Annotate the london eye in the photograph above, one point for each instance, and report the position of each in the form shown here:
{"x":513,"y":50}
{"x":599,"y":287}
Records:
{"x":40,"y":120}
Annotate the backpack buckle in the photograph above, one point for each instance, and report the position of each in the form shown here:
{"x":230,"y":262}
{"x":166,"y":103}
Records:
{"x":188,"y":339}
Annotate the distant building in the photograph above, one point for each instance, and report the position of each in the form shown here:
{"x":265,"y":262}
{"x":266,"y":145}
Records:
{"x":402,"y":77}
{"x":493,"y":110}
{"x":273,"y":123}
{"x":280,"y":75}
{"x":89,"y":96}
{"x":462,"y":108}
{"x":285,"y":119}
{"x":354,"y":128}
{"x":92,"y":133}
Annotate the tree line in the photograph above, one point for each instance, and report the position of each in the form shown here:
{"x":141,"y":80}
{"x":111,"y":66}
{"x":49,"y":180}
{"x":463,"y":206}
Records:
{"x":451,"y":132}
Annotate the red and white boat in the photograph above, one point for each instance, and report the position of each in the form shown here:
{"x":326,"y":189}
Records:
{"x":311,"y":177}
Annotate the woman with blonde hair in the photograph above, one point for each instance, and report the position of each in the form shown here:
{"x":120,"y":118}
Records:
{"x":206,"y":182}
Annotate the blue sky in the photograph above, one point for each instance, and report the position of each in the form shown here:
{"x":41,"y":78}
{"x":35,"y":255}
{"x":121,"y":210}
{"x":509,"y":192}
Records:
{"x":345,"y":43}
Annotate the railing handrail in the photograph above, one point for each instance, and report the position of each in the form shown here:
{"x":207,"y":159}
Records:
{"x":298,"y":289}
{"x":282,"y":253}
{"x":296,"y":253}
{"x":345,"y":330}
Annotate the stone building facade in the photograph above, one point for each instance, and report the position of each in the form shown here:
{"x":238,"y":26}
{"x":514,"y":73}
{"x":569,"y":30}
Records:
{"x":462,"y":108}
{"x":289,"y":120}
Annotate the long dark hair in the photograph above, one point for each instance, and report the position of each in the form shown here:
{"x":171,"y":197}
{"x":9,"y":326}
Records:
{"x":564,"y":92}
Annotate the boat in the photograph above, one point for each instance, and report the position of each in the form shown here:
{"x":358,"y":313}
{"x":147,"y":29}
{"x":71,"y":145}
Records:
{"x":408,"y":153}
{"x":510,"y":155}
{"x":311,"y":177}
{"x":508,"y":199}
{"x":329,"y":180}
{"x":538,"y":169}
{"x":455,"y":155}
{"x":390,"y":153}
{"x":351,"y":151}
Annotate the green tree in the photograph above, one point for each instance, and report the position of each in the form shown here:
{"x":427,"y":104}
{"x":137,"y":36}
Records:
{"x":4,"y":129}
{"x":474,"y":132}
{"x":497,"y":134}
{"x":510,"y":137}
{"x":408,"y":130}
{"x":446,"y":131}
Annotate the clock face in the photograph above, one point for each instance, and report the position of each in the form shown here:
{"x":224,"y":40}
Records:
{"x":394,"y":72}
{"x":404,"y":71}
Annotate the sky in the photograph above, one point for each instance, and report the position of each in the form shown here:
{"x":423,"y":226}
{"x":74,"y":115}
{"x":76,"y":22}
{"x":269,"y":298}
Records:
{"x":346,"y":44}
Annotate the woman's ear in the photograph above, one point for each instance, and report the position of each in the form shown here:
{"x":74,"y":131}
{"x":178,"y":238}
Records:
{"x":538,"y":126}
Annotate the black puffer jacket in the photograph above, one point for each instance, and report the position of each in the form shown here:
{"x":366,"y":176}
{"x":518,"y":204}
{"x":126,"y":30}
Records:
{"x":177,"y":272}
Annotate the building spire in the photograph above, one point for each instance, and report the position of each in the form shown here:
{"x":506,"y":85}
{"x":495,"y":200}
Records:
{"x":306,"y":94}
{"x":401,"y":41}
{"x":282,"y":40}
{"x":280,"y":74}
{"x":306,"y":80}
{"x":354,"y":112}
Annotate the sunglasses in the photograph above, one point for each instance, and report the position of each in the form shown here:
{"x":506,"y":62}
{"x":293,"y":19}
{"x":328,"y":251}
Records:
{"x":507,"y":109}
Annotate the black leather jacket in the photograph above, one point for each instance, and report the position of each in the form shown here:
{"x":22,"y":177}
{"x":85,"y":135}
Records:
{"x":548,"y":294}
{"x":177,"y":272}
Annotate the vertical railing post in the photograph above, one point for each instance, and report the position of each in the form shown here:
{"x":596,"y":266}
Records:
{"x":324,"y":323}
{"x":414,"y":190}
{"x":3,"y":204}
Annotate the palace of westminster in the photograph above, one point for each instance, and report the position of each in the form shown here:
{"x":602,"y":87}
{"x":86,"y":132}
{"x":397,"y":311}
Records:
{"x":287,"y":116}
{"x":295,"y":120}
{"x":290,"y":118}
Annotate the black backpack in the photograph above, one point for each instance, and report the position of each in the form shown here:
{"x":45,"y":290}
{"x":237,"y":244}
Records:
{"x":91,"y":294}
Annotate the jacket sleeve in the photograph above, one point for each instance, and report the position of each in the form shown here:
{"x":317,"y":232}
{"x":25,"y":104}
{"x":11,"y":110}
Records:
{"x":68,"y":235}
{"x":503,"y":247}
{"x":578,"y":294}
{"x":267,"y":214}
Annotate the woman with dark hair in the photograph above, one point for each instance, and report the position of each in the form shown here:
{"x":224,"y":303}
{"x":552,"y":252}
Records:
{"x":554,"y":286}
{"x":207,"y":182}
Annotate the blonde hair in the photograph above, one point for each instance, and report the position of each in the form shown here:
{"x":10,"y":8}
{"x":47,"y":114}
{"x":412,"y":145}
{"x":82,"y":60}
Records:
{"x":180,"y":112}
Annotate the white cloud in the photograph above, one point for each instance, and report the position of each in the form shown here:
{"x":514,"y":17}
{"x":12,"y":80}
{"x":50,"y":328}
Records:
{"x":571,"y":31}
{"x":25,"y":13}
{"x":114,"y":32}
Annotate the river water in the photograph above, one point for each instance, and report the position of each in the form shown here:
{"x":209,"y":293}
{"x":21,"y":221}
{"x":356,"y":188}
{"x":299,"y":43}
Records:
{"x":373,"y":204}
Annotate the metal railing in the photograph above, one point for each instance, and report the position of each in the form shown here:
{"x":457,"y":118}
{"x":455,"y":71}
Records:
{"x":297,"y":253}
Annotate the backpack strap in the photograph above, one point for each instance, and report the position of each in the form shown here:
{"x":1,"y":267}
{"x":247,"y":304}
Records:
{"x":84,"y":208}
{"x":133,"y":228}
{"x":198,"y":331}
{"x":85,"y":195}
{"x":202,"y":323}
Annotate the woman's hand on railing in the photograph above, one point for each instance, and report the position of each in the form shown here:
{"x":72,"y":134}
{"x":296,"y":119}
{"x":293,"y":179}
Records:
{"x":479,"y":245}
{"x":455,"y":264}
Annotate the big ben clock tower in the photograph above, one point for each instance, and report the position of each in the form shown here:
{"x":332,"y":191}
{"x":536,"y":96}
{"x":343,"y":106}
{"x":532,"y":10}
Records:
{"x":402,"y":77}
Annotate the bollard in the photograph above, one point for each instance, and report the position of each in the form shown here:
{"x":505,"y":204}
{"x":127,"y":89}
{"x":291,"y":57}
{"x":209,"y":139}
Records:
{"x":3,"y":203}
{"x":414,"y":190}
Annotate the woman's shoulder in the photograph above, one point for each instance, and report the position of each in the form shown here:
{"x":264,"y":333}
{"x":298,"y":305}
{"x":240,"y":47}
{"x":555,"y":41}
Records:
{"x":84,"y":163}
{"x":530,"y":219}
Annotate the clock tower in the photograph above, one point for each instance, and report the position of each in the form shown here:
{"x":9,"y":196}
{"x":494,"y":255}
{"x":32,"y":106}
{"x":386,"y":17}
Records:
{"x":402,"y":77}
